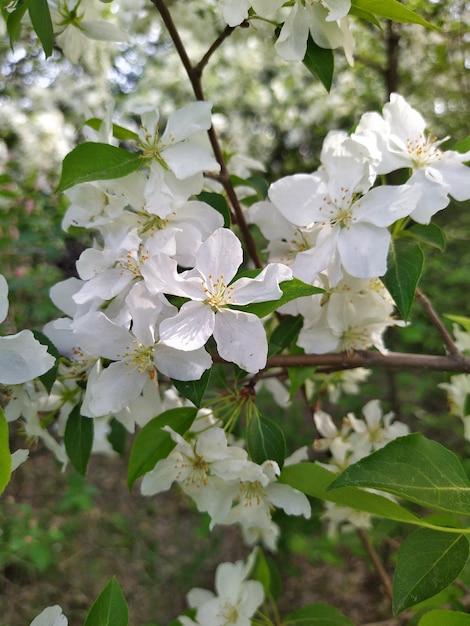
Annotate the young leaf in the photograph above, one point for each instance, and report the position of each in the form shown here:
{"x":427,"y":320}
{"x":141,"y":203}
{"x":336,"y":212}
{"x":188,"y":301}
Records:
{"x":314,"y":480}
{"x":320,"y":63}
{"x":438,"y":617}
{"x":5,"y":456}
{"x":391,"y":10}
{"x":265,"y":440}
{"x":96,"y":161}
{"x":119,"y":132}
{"x":405,"y":265}
{"x":317,"y":614}
{"x":42,"y":23}
{"x":460,"y":319}
{"x":291,"y":290}
{"x":416,"y":469}
{"x":78,"y":439}
{"x":428,"y":561}
{"x":428,"y":233}
{"x":117,"y":436}
{"x":284,"y":333}
{"x":462,"y":146}
{"x":110,"y":607}
{"x":193,"y":390}
{"x":152,"y":443}
{"x":14,"y":22}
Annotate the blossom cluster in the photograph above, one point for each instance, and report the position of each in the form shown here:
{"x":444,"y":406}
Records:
{"x":355,"y":439}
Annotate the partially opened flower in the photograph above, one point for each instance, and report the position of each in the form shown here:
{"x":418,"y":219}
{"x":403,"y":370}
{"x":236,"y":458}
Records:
{"x":52,"y":616}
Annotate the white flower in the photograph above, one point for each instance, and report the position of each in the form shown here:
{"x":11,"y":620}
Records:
{"x":240,"y":336}
{"x":175,"y":148}
{"x":326,"y":22}
{"x":399,"y":135}
{"x":235,"y":11}
{"x":74,"y":31}
{"x":236,"y":601}
{"x":22,"y":357}
{"x":52,"y":616}
{"x":353,"y":219}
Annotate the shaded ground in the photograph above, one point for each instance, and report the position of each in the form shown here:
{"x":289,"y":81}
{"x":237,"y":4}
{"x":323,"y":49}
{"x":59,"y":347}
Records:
{"x":156,"y":547}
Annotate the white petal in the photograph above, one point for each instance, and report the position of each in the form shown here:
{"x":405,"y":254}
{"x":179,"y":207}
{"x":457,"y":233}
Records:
{"x":262,"y":288}
{"x":52,"y":616}
{"x":185,"y":122}
{"x":3,"y":298}
{"x":185,"y":160}
{"x":363,"y":250}
{"x":190,"y":329}
{"x":181,"y":365}
{"x":241,"y":339}
{"x":22,"y":358}
{"x":295,"y":197}
{"x":116,"y":387}
{"x":220,"y":255}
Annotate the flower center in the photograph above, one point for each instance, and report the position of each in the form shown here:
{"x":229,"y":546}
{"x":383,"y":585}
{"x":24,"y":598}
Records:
{"x":217,"y":292}
{"x":423,"y":150}
{"x":140,"y":358}
{"x":229,"y":613}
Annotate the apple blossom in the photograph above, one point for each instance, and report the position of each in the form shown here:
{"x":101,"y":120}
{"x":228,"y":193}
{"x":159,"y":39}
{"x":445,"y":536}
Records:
{"x":52,"y":616}
{"x":399,"y":136}
{"x":240,"y":336}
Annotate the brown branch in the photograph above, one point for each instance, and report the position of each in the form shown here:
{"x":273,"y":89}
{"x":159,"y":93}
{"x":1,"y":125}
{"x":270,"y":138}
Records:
{"x":377,"y":563}
{"x":437,"y":323}
{"x":218,"y":42}
{"x":194,"y":75}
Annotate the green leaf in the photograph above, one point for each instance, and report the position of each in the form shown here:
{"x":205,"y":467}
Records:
{"x":439,"y":617}
{"x":460,"y":319}
{"x":193,"y":390}
{"x":5,"y":456}
{"x":42,"y":23}
{"x":96,"y":161}
{"x":462,"y":146}
{"x":320,"y":63}
{"x":291,"y":290}
{"x":317,"y":614}
{"x":78,"y":439}
{"x":416,"y":469}
{"x":152,"y":443}
{"x":117,"y":436}
{"x":110,"y":607}
{"x":14,"y":22}
{"x":217,"y":202}
{"x":405,"y":265}
{"x":49,"y":378}
{"x":391,"y":10}
{"x":297,"y":377}
{"x":119,"y":132}
{"x":314,"y":480}
{"x":428,"y":561}
{"x":427,"y":233}
{"x":265,"y":441}
{"x":284,"y":334}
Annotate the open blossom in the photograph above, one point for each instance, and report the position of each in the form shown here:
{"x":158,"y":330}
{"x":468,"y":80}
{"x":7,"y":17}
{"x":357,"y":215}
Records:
{"x":22,"y":357}
{"x":240,"y":336}
{"x":399,"y":136}
{"x":325,"y":21}
{"x":354,"y":218}
{"x":74,"y":25}
{"x":176,"y":149}
{"x":235,"y":601}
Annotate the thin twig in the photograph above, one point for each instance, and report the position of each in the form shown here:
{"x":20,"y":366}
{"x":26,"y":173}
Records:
{"x":437,"y":323}
{"x":369,"y":359}
{"x":218,"y":42}
{"x":194,"y":75}
{"x":377,"y":563}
